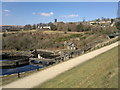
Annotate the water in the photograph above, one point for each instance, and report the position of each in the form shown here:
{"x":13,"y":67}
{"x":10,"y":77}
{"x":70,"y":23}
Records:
{"x":19,"y":69}
{"x":4,"y":60}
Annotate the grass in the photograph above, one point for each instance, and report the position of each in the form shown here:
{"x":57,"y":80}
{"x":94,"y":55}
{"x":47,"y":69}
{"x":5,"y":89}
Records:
{"x":69,"y":37}
{"x":24,"y":31}
{"x":100,"y":72}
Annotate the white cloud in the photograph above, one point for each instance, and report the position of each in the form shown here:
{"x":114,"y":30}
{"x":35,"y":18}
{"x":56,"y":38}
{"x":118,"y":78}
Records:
{"x":6,"y":10}
{"x":47,"y":14}
{"x":70,"y":16}
{"x":7,"y":15}
{"x":33,"y":13}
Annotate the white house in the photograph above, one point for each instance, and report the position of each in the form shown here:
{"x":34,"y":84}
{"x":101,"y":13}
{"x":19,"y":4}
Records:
{"x":44,"y":27}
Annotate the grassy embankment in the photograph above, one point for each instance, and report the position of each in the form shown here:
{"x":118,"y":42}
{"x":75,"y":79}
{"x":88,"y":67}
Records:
{"x":100,"y":72}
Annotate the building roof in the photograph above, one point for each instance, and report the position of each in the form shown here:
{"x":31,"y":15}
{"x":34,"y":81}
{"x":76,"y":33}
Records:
{"x":70,"y":43}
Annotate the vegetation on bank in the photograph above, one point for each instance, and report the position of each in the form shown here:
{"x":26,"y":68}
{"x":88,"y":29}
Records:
{"x":100,"y":72}
{"x":41,"y":40}
{"x":117,"y":24}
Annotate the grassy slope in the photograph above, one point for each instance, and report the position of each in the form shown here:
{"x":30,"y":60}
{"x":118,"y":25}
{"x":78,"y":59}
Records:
{"x":100,"y":72}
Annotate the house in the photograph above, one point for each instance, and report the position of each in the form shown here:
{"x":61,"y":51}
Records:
{"x":100,"y":22}
{"x":71,"y":46}
{"x":44,"y":27}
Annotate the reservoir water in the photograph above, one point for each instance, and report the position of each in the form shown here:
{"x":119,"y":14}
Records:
{"x":18,"y":69}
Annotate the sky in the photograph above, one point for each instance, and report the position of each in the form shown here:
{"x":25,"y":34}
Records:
{"x":119,"y":9}
{"x":22,"y":13}
{"x":60,"y":0}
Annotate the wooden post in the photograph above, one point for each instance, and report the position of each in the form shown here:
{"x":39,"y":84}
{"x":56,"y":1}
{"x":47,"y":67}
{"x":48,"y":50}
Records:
{"x":37,"y":68}
{"x":18,"y":74}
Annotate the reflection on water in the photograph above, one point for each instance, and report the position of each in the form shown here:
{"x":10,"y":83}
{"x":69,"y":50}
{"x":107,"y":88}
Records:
{"x":19,"y":69}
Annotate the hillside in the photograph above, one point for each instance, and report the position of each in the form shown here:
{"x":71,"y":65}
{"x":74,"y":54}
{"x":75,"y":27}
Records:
{"x":52,"y":40}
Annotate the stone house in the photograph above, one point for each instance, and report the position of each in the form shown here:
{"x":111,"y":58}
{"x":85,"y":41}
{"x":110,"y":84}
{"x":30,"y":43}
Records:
{"x":71,"y":46}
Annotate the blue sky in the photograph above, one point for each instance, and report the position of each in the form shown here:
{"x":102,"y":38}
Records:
{"x":60,"y":0}
{"x":21,"y":13}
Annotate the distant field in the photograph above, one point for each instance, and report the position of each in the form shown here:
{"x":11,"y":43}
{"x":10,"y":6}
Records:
{"x":25,"y":31}
{"x":100,"y":72}
{"x":62,"y":32}
{"x":45,"y":31}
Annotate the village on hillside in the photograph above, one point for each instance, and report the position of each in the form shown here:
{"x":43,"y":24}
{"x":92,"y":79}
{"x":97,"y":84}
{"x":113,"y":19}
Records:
{"x":61,"y":26}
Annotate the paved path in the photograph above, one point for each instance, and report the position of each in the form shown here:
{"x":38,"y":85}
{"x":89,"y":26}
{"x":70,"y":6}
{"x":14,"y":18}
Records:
{"x":44,"y":75}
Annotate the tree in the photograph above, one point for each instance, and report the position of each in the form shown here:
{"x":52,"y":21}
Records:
{"x":117,"y":24}
{"x":112,"y":20}
{"x":4,"y":34}
{"x":86,"y":28}
{"x":28,"y":27}
{"x":98,"y":20}
{"x":34,"y":26}
{"x":69,"y":29}
{"x":80,"y":27}
{"x":102,"y":18}
{"x":53,"y":27}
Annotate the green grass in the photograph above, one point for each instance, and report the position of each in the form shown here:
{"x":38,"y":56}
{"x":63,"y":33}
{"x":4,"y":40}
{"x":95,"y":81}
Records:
{"x":100,"y":72}
{"x":69,"y":37}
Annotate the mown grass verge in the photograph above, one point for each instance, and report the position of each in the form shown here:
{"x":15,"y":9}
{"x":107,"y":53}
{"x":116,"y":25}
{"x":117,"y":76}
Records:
{"x":100,"y":72}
